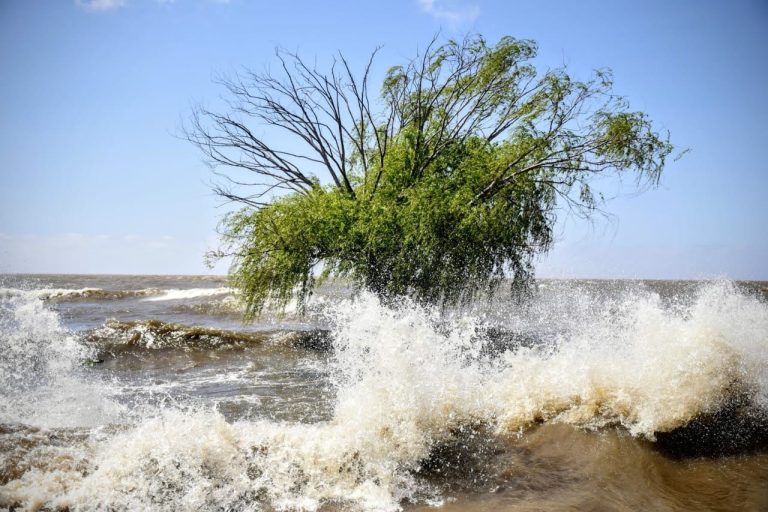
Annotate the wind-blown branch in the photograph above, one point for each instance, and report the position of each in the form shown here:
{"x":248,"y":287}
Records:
{"x":447,"y":181}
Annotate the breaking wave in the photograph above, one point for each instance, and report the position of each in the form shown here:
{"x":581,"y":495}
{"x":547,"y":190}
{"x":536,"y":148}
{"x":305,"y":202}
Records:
{"x":410,"y":382}
{"x":156,"y":334}
{"x":91,"y":294}
{"x":192,"y":293}
{"x":81,"y":294}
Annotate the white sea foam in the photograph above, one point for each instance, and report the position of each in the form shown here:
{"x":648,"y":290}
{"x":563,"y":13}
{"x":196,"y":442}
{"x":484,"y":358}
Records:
{"x":40,"y":370}
{"x":407,"y":383}
{"x":191,"y":293}
{"x":45,"y":293}
{"x":65,"y":294}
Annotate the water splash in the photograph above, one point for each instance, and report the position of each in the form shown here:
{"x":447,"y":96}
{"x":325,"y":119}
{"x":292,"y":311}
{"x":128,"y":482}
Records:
{"x":41,"y":378}
{"x":410,"y":381}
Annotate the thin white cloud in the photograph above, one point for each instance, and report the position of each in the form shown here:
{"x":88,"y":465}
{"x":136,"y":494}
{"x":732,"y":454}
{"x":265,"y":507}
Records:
{"x":109,"y":5}
{"x":100,"y":5}
{"x":453,"y":12}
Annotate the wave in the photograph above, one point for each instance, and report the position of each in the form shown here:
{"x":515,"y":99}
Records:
{"x":84,"y":294}
{"x":156,"y":334}
{"x":89,"y":294}
{"x":192,"y":293}
{"x":226,"y":307}
{"x":411,"y":382}
{"x":231,"y":307}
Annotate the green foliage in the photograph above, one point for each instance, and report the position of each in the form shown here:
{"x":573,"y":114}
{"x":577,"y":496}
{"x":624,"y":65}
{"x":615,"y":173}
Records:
{"x":454,"y":187}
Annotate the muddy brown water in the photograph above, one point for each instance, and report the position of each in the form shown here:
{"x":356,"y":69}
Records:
{"x":147,"y":392}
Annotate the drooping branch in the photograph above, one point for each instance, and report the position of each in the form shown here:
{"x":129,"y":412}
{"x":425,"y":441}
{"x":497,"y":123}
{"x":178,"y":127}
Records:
{"x":448,"y":94}
{"x":445,"y":183}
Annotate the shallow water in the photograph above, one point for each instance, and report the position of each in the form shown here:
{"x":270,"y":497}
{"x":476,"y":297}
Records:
{"x":146,"y":392}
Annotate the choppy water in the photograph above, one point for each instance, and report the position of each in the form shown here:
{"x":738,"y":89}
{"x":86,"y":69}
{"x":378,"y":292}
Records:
{"x":146,"y":393}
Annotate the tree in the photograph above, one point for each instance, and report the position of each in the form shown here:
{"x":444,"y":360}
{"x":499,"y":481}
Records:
{"x":446,"y":183}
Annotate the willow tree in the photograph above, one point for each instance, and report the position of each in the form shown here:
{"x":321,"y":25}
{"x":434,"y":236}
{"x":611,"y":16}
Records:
{"x":438,"y":184}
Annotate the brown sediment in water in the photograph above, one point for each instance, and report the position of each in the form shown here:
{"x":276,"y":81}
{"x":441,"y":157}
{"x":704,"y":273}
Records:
{"x":414,"y":407}
{"x":229,"y":307}
{"x":736,"y":429}
{"x":97,"y":294}
{"x":559,"y":467}
{"x":26,"y":449}
{"x":553,"y":467}
{"x":157,"y":334}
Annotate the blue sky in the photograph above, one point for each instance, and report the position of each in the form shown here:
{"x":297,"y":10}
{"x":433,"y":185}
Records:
{"x":92,"y":178}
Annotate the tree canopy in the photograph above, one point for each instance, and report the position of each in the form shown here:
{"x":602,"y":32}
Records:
{"x":444,"y":183}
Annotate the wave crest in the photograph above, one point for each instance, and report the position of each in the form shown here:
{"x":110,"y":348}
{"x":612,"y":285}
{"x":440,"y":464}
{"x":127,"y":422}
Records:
{"x":410,"y":382}
{"x":156,"y":334}
{"x":81,"y":294}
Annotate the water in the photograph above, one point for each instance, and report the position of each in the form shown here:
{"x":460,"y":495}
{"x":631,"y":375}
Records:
{"x":146,"y":392}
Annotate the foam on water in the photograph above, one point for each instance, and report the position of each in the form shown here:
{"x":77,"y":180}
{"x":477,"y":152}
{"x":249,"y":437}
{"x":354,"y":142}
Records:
{"x":76,"y":294}
{"x":408,"y":381}
{"x":643,"y":366}
{"x":41,"y":381}
{"x":192,"y":293}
